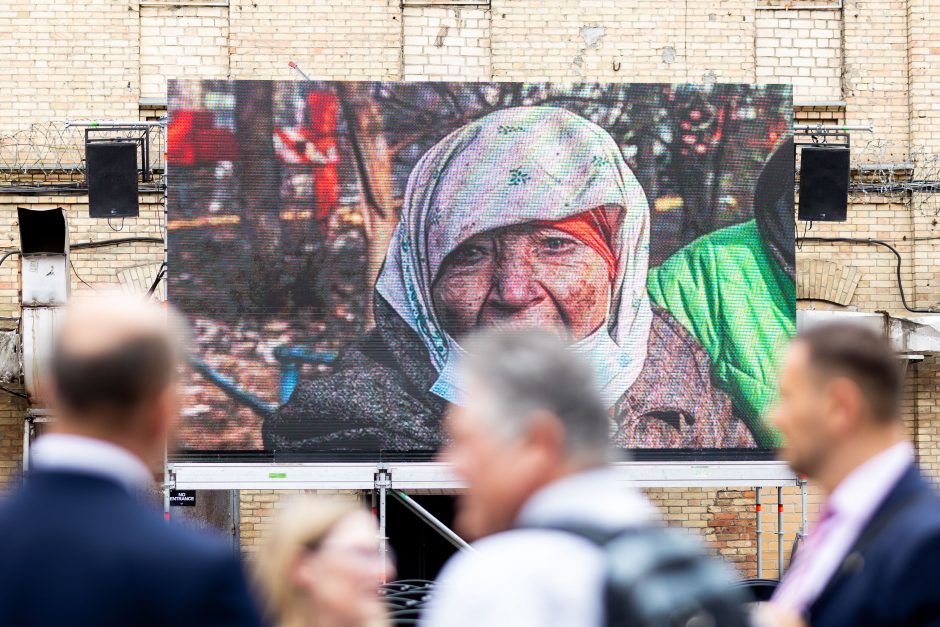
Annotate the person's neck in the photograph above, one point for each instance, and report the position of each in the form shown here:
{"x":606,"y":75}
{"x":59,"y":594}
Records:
{"x":126,"y":442}
{"x":563,"y":471}
{"x":314,"y":616}
{"x":854,"y":452}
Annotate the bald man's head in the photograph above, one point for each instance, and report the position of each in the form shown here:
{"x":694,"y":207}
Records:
{"x":113,"y":355}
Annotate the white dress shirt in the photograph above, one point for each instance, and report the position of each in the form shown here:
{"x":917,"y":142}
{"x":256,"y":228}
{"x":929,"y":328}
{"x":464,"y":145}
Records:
{"x":850,"y":506}
{"x":75,"y":453}
{"x":539,"y":577}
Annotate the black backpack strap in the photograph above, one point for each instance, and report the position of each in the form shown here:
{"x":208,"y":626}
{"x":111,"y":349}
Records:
{"x":657,"y":576}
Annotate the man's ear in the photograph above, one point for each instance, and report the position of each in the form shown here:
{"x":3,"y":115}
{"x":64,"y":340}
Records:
{"x":164,"y":414}
{"x":546,"y":433}
{"x":847,"y":404}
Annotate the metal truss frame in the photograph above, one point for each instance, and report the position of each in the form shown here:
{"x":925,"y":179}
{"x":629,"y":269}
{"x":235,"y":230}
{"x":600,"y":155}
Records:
{"x":417,"y":477}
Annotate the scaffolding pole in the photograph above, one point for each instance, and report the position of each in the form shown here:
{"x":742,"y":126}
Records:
{"x":383,"y":482}
{"x":430,"y":519}
{"x":803,"y":523}
{"x":780,"y":568}
{"x":759,"y":532}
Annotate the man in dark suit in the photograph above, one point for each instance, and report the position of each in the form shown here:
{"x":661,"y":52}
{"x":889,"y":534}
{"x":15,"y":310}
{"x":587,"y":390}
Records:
{"x":79,"y":543}
{"x":873,"y":558}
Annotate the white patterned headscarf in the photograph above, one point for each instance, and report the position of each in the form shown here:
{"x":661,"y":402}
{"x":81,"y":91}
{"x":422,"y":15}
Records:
{"x":513,"y":166}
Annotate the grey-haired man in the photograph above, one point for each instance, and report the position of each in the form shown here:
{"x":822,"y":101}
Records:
{"x":532,"y":444}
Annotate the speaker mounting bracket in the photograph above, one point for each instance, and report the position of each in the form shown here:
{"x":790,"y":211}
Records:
{"x":134,"y":133}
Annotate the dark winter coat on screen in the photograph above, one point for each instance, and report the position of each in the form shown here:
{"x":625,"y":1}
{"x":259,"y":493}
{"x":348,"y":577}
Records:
{"x":377,"y":398}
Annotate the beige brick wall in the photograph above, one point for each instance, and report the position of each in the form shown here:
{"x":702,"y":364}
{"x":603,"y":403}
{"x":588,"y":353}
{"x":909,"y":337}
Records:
{"x":802,"y":48}
{"x":181,"y":42}
{"x":97,"y":59}
{"x":623,"y":41}
{"x":258,"y":506}
{"x":875,"y":77}
{"x":923,"y":417}
{"x":876,"y":218}
{"x":65,"y":60}
{"x":720,"y":42}
{"x":440,"y":43}
{"x":332,"y":39}
{"x":98,"y":267}
{"x":12,"y":410}
{"x":924,"y":70}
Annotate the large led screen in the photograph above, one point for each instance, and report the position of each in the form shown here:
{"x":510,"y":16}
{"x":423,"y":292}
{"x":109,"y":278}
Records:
{"x":332,"y":242}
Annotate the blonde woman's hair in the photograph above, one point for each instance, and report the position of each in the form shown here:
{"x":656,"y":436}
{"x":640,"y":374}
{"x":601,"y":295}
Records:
{"x":304,"y":522}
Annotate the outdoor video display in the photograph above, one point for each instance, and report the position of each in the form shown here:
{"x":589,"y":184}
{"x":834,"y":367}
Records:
{"x":331,"y":243}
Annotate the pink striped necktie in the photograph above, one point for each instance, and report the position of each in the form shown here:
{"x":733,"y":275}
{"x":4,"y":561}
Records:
{"x":790,"y":590}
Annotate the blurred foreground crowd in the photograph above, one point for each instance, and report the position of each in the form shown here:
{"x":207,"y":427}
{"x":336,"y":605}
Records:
{"x":558,"y":540}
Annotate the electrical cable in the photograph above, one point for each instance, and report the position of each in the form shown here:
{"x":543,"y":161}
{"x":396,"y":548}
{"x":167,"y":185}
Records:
{"x":101,"y":244}
{"x":9,"y":253}
{"x":12,"y":392}
{"x":78,"y":276}
{"x":84,"y":246}
{"x":873,"y":242}
{"x":115,"y":242}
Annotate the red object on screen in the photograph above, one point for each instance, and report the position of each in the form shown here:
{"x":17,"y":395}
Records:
{"x":594,"y":229}
{"x":314,"y":143}
{"x":323,"y":112}
{"x":193,"y":139}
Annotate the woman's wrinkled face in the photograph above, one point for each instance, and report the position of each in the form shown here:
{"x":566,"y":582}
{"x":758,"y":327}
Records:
{"x":340,"y":578}
{"x":522,"y":275}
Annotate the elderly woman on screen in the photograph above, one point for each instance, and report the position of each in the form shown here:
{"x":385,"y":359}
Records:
{"x":526,"y":216}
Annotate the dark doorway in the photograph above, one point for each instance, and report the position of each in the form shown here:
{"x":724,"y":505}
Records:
{"x":420,"y":550}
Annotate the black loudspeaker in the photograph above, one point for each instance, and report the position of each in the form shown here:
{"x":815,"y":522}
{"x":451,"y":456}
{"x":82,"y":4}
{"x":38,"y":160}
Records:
{"x":824,"y":183}
{"x":112,"y":179}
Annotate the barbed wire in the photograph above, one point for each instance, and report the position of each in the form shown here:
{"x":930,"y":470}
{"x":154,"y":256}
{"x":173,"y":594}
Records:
{"x":52,"y":153}
{"x":881,"y":170}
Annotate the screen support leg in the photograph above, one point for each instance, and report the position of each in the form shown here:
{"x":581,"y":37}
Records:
{"x":383,"y":482}
{"x":759,"y":532}
{"x":780,"y":568}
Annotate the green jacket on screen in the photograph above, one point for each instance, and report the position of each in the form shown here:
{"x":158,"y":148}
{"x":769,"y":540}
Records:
{"x":727,"y":291}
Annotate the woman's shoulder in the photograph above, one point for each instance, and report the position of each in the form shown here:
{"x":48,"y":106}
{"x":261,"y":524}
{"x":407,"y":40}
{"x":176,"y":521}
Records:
{"x":675,"y":402}
{"x":670,"y":341}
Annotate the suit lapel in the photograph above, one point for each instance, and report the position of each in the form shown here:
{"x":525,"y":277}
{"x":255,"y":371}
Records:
{"x":906,"y":491}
